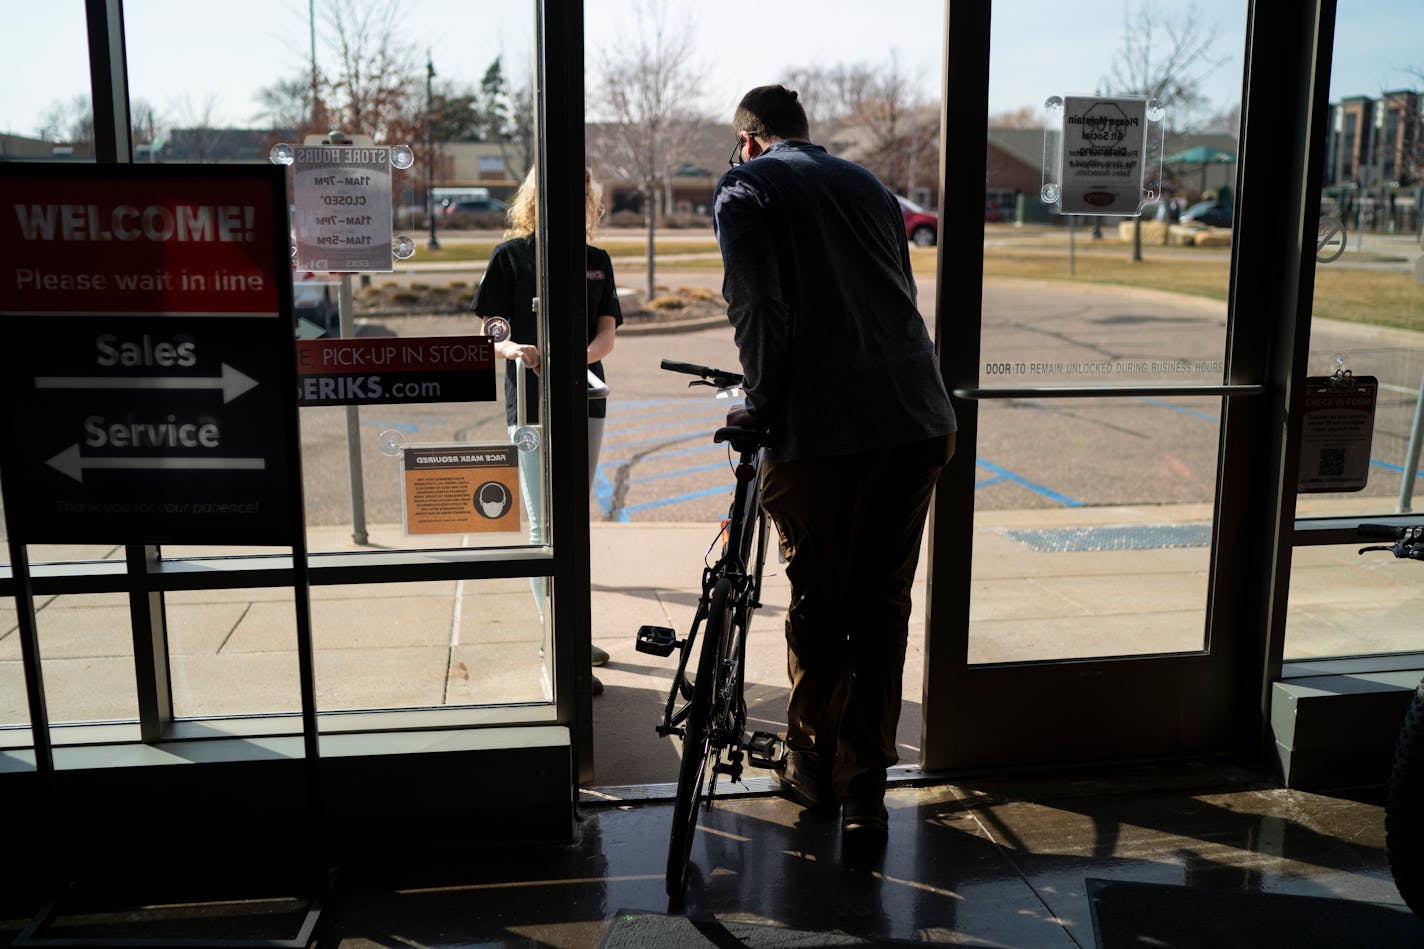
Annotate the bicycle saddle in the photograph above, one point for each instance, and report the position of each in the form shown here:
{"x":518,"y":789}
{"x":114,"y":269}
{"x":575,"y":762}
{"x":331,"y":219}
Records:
{"x":741,"y":437}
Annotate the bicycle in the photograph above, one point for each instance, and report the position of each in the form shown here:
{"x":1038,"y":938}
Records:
{"x":1403,"y":816}
{"x":707,"y":710}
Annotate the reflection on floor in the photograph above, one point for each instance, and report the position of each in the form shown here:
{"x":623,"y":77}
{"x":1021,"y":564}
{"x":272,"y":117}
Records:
{"x":989,"y":861}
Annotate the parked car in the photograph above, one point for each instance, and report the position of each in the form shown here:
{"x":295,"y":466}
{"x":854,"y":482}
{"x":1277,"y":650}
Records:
{"x":921,"y":226}
{"x":1208,"y":212}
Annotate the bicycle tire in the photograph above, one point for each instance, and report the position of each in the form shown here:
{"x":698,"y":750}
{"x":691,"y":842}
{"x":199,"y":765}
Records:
{"x":697,"y":740}
{"x":1403,"y":818}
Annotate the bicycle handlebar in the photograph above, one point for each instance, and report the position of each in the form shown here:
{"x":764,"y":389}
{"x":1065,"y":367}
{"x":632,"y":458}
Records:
{"x":1408,"y":542}
{"x":720,"y":378}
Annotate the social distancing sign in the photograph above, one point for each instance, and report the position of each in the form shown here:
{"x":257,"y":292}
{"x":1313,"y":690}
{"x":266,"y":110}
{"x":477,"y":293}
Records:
{"x":461,"y":489}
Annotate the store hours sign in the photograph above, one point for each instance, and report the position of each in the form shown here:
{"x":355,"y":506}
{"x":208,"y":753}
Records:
{"x":342,"y":205}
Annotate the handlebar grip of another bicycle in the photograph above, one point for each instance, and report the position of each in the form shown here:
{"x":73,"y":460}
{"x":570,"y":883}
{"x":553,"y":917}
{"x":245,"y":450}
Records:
{"x":1380,"y":531}
{"x":687,"y":367}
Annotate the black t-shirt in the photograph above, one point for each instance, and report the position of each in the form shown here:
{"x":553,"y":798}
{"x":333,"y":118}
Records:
{"x":508,"y":290}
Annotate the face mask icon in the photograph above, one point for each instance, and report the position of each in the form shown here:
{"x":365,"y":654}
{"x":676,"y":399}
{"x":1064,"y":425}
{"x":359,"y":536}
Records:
{"x":492,"y":499}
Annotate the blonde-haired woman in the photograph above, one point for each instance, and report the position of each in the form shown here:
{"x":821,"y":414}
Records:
{"x":508,"y":290}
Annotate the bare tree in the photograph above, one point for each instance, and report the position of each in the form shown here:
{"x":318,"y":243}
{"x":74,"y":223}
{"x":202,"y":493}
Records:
{"x":877,"y":114}
{"x":649,"y":84}
{"x":69,"y":121}
{"x":1024,"y":117}
{"x":378,"y":74}
{"x":902,"y":128}
{"x":831,"y":94}
{"x":518,"y":150}
{"x":1167,"y":55}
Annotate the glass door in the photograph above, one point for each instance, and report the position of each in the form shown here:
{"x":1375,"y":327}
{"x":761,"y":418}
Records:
{"x":1077,"y":616}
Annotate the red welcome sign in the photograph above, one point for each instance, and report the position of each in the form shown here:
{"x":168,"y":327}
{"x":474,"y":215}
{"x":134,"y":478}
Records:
{"x":168,"y":246}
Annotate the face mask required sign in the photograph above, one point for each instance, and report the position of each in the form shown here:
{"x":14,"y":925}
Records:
{"x":461,"y":489}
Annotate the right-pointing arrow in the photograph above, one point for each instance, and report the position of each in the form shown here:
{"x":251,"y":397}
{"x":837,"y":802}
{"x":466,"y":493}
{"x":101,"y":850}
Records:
{"x":231,"y":382}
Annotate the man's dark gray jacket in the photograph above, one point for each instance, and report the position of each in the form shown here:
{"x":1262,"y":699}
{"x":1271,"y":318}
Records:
{"x":822,"y":300}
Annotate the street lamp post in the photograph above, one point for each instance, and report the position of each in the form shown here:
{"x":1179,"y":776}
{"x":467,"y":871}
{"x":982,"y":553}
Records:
{"x":430,"y":149}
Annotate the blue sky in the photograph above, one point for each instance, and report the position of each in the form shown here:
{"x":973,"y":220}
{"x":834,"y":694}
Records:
{"x":195,"y":58}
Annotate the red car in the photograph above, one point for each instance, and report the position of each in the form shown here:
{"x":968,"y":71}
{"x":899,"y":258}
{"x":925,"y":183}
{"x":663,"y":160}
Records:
{"x":921,"y":226}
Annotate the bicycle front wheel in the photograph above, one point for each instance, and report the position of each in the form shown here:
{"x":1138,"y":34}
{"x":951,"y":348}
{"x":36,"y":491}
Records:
{"x":1403,"y":814}
{"x":697,"y":739}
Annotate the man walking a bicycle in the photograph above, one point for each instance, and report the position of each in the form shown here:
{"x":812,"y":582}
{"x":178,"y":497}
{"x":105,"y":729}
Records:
{"x":841,"y":371}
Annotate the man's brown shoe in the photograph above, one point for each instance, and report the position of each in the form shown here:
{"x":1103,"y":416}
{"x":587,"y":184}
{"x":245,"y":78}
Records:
{"x":804,"y":782}
{"x":865,"y":818}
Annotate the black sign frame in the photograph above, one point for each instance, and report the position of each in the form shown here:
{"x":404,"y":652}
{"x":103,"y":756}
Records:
{"x":240,"y":383}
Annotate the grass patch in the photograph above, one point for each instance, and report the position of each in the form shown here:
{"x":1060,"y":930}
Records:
{"x":1369,"y":296}
{"x":1176,"y":274}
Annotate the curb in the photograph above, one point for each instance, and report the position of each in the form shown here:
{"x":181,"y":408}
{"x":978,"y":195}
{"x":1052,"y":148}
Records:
{"x":663,"y":327}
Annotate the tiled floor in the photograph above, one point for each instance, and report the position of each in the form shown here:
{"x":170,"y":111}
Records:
{"x":997,"y":861}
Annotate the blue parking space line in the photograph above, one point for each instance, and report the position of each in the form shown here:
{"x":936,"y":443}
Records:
{"x":704,"y":435}
{"x":988,"y":481}
{"x":1025,"y":483}
{"x":718,"y":466}
{"x":603,"y":492}
{"x":725,"y":489}
{"x":674,"y":453}
{"x":1397,"y":469}
{"x":619,"y":430}
{"x":667,"y":409}
{"x":1162,"y":404}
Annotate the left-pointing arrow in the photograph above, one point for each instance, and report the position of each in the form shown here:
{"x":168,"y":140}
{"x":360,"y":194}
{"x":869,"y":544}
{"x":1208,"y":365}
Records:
{"x":231,"y":382}
{"x":71,"y":463}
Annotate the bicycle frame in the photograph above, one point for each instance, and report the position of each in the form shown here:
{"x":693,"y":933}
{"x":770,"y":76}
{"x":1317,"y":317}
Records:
{"x":712,"y":717}
{"x":742,"y":560}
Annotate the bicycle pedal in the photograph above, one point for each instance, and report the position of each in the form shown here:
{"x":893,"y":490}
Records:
{"x":657,"y":640}
{"x":766,"y":750}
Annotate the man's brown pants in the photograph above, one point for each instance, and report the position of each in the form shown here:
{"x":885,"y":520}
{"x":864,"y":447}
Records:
{"x":851,"y":526}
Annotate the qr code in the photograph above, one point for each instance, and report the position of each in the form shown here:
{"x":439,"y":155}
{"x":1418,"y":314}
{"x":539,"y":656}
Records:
{"x":1332,"y":462}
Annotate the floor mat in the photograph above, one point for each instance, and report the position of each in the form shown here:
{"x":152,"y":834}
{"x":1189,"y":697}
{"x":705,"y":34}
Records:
{"x":1139,"y":915}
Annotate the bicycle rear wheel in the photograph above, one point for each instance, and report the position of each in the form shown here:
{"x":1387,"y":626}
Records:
{"x":697,"y":739}
{"x":1403,"y":814}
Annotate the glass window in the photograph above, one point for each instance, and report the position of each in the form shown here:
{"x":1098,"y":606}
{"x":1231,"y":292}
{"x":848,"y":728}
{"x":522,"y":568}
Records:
{"x":87,"y":658}
{"x":449,"y":84}
{"x":457,"y":83}
{"x":436,"y":644}
{"x":45,"y":112}
{"x":1367,"y":314}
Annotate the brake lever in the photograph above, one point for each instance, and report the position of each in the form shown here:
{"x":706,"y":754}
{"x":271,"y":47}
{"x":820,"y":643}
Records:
{"x":1365,"y":550}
